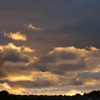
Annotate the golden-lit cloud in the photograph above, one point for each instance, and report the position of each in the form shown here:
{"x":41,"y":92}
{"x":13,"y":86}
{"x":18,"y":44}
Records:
{"x":12,"y":46}
{"x":64,"y":59}
{"x":14,"y":90}
{"x":89,"y":81}
{"x":61,"y":60}
{"x":4,"y":86}
{"x":69,"y":67}
{"x":63,"y":66}
{"x":18,"y":36}
{"x":18,"y":90}
{"x":20,"y":78}
{"x":12,"y":53}
{"x":30,"y":26}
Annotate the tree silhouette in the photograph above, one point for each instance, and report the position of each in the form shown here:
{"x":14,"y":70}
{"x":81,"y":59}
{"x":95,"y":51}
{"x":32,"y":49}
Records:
{"x":3,"y":92}
{"x":93,"y":95}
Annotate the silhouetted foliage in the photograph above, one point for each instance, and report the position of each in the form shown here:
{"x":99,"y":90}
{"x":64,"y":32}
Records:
{"x":94,"y":95}
{"x":5,"y":93}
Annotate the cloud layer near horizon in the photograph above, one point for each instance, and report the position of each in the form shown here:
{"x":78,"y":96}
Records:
{"x":61,"y":67}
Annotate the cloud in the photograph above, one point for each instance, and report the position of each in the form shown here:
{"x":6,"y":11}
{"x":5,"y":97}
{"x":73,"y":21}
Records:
{"x":13,"y":58}
{"x":30,"y":26}
{"x":87,"y":78}
{"x":18,"y":36}
{"x":15,"y":90}
{"x":12,"y":46}
{"x":61,"y":60}
{"x":5,"y":86}
{"x":28,"y":80}
{"x":94,"y":75}
{"x":43,"y":82}
{"x":13,"y":53}
{"x":38,"y":83}
{"x":1,"y":61}
{"x":67,"y":22}
{"x":64,"y":59}
{"x":89,"y":81}
{"x":62,"y":66}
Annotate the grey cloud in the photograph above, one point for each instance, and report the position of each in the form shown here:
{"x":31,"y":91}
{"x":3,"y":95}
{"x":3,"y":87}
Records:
{"x":15,"y":71}
{"x":73,"y":67}
{"x":2,"y":81}
{"x":63,"y":55}
{"x":65,"y":23}
{"x":30,"y":4}
{"x":61,"y":61}
{"x":24,"y":84}
{"x":88,"y":88}
{"x":75,"y":82}
{"x":13,"y":53}
{"x":95,"y":75}
{"x":65,"y":68}
{"x":15,"y":56}
{"x":41,"y":82}
{"x":81,"y":77}
{"x":1,"y":61}
{"x":3,"y":74}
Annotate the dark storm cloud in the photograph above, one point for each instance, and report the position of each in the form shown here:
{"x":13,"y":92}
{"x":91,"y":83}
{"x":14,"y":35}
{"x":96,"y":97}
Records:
{"x":25,"y":4}
{"x":56,"y":10}
{"x":66,"y":22}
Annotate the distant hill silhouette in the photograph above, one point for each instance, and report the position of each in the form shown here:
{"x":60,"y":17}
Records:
{"x":93,"y":95}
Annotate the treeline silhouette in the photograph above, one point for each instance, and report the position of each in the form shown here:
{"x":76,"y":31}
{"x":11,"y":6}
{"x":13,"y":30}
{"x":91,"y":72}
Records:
{"x":93,"y":95}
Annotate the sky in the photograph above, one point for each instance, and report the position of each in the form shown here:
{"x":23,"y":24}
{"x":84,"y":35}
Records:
{"x":49,"y":47}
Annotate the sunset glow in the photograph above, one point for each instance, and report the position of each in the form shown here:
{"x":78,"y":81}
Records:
{"x":49,"y":47}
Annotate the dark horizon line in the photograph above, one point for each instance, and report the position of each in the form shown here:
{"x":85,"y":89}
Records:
{"x":4,"y":92}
